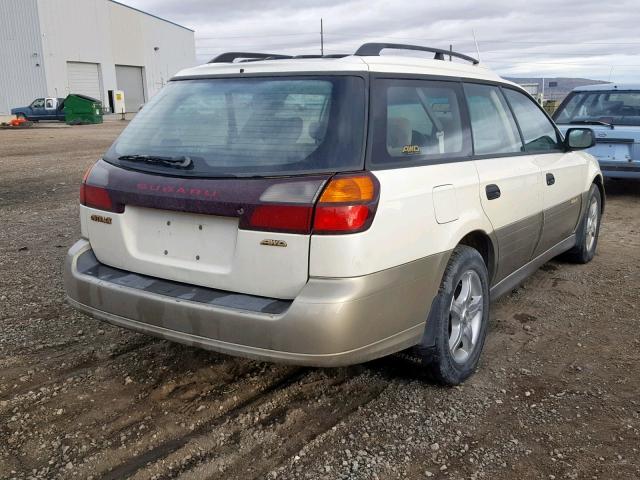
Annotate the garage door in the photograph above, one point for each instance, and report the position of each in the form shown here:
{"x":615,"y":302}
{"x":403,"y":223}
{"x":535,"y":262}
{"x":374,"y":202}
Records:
{"x":130,"y":81}
{"x":84,"y":78}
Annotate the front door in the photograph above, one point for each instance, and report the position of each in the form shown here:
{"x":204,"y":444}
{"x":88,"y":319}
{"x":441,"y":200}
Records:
{"x":562,"y":172}
{"x":37,"y":109}
{"x":510,"y":182}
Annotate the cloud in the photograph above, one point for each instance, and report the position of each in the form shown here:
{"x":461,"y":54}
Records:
{"x":581,"y":38}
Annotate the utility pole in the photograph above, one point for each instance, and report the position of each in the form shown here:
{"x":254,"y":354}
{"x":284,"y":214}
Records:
{"x":321,"y":38}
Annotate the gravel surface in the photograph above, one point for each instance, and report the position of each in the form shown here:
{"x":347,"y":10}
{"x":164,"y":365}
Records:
{"x":556,"y":395}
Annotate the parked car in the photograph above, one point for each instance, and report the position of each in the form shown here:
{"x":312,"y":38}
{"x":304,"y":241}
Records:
{"x":613,"y":112}
{"x":331,"y":210}
{"x":41,"y":109}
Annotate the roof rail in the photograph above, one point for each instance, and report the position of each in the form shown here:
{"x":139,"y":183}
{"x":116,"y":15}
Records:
{"x":330,"y":55}
{"x":374,"y":49}
{"x":229,"y":57}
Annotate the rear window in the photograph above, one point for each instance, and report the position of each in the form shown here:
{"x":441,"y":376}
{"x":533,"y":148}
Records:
{"x":615,"y":107}
{"x":258,"y":126}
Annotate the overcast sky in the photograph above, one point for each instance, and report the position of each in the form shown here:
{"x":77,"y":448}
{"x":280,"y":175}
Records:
{"x":575,"y":38}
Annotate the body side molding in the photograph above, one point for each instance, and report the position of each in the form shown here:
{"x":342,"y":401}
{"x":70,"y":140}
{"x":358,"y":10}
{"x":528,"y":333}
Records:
{"x":517,"y":277}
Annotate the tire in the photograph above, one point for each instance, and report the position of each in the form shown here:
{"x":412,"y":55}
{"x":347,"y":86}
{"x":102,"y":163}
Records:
{"x":589,"y":229}
{"x":459,"y":332}
{"x":21,"y":115}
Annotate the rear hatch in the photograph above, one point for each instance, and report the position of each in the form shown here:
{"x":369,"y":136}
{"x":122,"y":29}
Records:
{"x":618,"y":145}
{"x":214,"y":182}
{"x":613,"y":115}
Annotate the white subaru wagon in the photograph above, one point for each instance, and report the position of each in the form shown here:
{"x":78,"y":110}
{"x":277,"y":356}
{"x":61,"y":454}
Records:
{"x":331,"y":210}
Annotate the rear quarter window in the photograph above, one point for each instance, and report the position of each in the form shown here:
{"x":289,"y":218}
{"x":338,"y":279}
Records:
{"x":417,"y":122}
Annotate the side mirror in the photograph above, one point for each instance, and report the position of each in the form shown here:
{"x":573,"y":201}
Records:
{"x":579,"y":139}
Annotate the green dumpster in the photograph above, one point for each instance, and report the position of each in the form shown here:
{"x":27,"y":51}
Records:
{"x":80,"y":110}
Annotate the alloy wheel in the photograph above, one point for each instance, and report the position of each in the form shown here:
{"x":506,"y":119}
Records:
{"x":465,"y":316}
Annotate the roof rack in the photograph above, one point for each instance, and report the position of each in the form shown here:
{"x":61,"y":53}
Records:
{"x":229,"y":57}
{"x":374,"y":49}
{"x":366,"y":50}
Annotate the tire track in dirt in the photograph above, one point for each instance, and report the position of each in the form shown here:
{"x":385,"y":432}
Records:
{"x":83,"y":361}
{"x":132,"y":465}
{"x":264,"y":438}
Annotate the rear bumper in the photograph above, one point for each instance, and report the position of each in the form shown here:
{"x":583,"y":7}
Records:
{"x":332,"y":322}
{"x":620,"y":169}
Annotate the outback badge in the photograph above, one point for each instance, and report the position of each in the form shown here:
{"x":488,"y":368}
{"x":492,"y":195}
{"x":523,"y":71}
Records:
{"x":273,"y":243}
{"x":101,"y":219}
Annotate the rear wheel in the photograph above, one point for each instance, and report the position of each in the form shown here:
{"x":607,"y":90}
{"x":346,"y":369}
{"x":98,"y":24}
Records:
{"x":587,"y":234}
{"x":460,"y":314}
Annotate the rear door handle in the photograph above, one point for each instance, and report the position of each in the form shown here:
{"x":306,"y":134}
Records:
{"x":493,"y":191}
{"x":550,"y":179}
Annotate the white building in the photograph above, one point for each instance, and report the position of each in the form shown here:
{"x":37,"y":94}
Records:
{"x":50,"y":48}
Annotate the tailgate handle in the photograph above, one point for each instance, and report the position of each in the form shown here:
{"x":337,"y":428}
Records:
{"x":493,"y":191}
{"x":550,"y":179}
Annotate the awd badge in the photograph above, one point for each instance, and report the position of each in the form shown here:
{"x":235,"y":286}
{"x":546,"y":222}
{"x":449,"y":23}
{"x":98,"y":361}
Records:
{"x":273,"y":243}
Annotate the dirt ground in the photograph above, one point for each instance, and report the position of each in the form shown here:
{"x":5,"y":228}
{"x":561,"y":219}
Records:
{"x":557,"y":394}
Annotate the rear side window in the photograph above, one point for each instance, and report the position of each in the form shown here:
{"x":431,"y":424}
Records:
{"x":417,"y":122}
{"x":538,"y":132}
{"x":493,"y":127}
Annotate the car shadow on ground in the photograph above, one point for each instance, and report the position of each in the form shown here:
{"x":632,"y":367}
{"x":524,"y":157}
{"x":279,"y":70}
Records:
{"x":629,"y":188}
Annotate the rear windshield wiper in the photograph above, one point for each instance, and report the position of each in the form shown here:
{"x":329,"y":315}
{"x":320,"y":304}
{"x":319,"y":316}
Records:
{"x":176,"y":162}
{"x":593,"y":122}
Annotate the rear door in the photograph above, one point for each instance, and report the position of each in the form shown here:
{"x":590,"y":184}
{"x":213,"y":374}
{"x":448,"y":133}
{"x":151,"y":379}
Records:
{"x":50,"y":108}
{"x":510,"y":181}
{"x":563,"y":173}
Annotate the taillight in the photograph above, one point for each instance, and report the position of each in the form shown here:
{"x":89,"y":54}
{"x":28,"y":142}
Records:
{"x":283,"y":218}
{"x":347,"y":204}
{"x":97,"y":197}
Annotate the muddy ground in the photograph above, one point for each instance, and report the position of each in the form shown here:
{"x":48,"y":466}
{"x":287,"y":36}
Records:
{"x":557,"y":395}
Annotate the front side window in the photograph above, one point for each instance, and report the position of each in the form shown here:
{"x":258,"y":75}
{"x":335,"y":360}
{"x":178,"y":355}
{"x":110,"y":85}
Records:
{"x":39,"y":103}
{"x":249,"y":127}
{"x":538,"y":132}
{"x":493,"y":127}
{"x":417,"y":121}
{"x":614,"y":107}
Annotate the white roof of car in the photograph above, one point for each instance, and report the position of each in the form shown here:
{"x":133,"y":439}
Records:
{"x":605,"y":87}
{"x":353,"y":63}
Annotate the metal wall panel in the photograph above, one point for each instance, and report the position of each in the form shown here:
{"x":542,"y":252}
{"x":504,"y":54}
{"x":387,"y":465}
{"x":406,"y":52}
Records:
{"x":22,"y":75}
{"x":84,"y":78}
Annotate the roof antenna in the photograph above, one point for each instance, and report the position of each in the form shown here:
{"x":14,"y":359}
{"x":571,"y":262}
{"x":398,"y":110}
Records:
{"x":476,"y":42}
{"x":321,"y":38}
